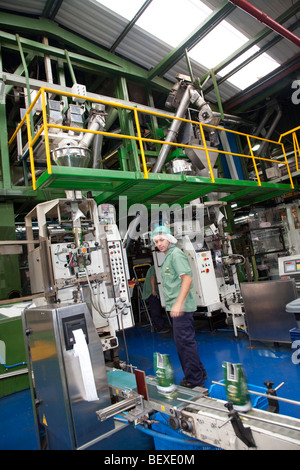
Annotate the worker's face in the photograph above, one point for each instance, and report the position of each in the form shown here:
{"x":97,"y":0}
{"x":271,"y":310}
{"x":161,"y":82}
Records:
{"x":162,"y":244}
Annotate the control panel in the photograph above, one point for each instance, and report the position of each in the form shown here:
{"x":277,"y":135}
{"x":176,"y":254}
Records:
{"x":204,"y":279}
{"x":205,"y":263}
{"x":117,"y":268}
{"x":289,"y":268}
{"x":119,"y":280}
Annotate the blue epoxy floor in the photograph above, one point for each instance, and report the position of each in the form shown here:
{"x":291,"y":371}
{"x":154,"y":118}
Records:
{"x":261,"y":361}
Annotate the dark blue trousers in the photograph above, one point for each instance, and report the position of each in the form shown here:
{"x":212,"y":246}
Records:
{"x":156,"y":312}
{"x":187,"y":350}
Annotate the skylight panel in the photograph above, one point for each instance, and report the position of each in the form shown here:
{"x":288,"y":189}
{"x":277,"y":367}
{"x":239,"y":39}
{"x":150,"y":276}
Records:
{"x":172,"y":21}
{"x":254,"y":71}
{"x":220,"y":43}
{"x":223,"y":41}
{"x":239,"y":60}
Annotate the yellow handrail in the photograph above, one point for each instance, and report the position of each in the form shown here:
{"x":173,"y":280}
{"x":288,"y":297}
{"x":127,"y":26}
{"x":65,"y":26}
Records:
{"x":295,"y":143}
{"x":288,"y":132}
{"x":296,"y":149}
{"x":253,"y":159}
{"x":136,"y":110}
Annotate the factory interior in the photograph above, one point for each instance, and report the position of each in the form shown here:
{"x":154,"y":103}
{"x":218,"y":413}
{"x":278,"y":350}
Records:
{"x":119,"y":117}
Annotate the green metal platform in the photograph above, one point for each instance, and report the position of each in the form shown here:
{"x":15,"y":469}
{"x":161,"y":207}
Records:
{"x":158,"y":188}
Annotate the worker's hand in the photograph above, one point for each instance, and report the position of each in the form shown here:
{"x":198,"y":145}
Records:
{"x":176,"y":310}
{"x":154,"y":293}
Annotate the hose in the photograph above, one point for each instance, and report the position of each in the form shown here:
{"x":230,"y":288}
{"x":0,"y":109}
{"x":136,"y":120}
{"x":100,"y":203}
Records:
{"x":13,"y":365}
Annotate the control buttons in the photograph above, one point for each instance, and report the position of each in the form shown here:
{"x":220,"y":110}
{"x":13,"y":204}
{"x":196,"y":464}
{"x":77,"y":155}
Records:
{"x":117,"y":266}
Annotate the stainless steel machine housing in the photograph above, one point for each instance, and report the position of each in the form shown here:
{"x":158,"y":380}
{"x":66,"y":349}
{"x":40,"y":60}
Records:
{"x":58,"y":393}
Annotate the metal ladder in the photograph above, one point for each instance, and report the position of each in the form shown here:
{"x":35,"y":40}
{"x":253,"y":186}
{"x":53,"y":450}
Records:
{"x":142,"y":306}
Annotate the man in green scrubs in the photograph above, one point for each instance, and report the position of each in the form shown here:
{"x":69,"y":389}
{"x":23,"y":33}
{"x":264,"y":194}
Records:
{"x":180,"y":301}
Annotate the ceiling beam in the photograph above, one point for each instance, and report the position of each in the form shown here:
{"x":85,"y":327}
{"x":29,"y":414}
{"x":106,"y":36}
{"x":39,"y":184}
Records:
{"x":130,"y":25}
{"x":51,"y":8}
{"x":95,"y":55}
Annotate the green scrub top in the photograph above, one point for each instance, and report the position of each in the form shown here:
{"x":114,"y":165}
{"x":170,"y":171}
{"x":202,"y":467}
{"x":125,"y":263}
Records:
{"x":175,"y":264}
{"x":147,"y":287}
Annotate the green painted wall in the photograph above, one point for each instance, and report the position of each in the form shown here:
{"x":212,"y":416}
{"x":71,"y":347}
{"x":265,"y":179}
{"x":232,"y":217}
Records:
{"x":12,"y":342}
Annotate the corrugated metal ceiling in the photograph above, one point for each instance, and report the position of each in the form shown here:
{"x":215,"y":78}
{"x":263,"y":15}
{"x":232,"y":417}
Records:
{"x":97,"y":23}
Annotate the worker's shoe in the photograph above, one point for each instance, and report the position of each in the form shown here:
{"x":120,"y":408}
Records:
{"x":164,"y":330}
{"x":187,"y":384}
{"x":204,"y":376}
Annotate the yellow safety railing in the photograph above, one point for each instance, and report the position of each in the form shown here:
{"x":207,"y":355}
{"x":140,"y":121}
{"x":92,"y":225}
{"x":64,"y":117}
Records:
{"x":295,"y":143}
{"x":32,"y":139}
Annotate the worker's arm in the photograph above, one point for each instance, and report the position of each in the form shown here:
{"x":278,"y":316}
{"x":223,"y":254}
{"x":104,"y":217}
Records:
{"x":177,"y":308}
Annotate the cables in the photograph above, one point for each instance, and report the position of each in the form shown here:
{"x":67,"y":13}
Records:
{"x":96,"y":302}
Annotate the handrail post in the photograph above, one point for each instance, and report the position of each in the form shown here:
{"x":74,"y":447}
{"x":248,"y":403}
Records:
{"x":32,"y":168}
{"x":296,"y":146}
{"x":140,"y":142}
{"x":253,"y":159}
{"x":287,"y":165}
{"x":47,"y":147}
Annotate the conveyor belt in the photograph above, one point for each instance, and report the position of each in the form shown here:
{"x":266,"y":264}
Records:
{"x":210,"y":417}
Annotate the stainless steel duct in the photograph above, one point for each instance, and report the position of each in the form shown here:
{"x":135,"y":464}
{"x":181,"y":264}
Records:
{"x":190,"y":95}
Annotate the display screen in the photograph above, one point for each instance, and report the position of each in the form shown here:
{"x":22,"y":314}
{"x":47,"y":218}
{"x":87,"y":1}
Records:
{"x":289,"y":266}
{"x":292,"y":266}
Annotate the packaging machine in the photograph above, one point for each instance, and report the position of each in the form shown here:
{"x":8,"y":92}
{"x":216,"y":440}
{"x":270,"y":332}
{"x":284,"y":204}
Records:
{"x":213,"y":264}
{"x":75,"y":255}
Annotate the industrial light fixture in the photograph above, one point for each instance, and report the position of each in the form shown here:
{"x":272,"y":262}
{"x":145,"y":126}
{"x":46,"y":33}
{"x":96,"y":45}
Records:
{"x":255,"y":147}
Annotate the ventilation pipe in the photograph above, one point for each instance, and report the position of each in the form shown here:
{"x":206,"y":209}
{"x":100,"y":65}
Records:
{"x":265,"y":19}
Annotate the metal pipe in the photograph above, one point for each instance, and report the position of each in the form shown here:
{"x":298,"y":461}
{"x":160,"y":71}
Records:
{"x":95,"y":125}
{"x":71,"y":70}
{"x":263,"y":146}
{"x":173,"y":131}
{"x":286,"y":400}
{"x":27,"y":79}
{"x":13,"y":374}
{"x":97,"y":148}
{"x":265,"y":19}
